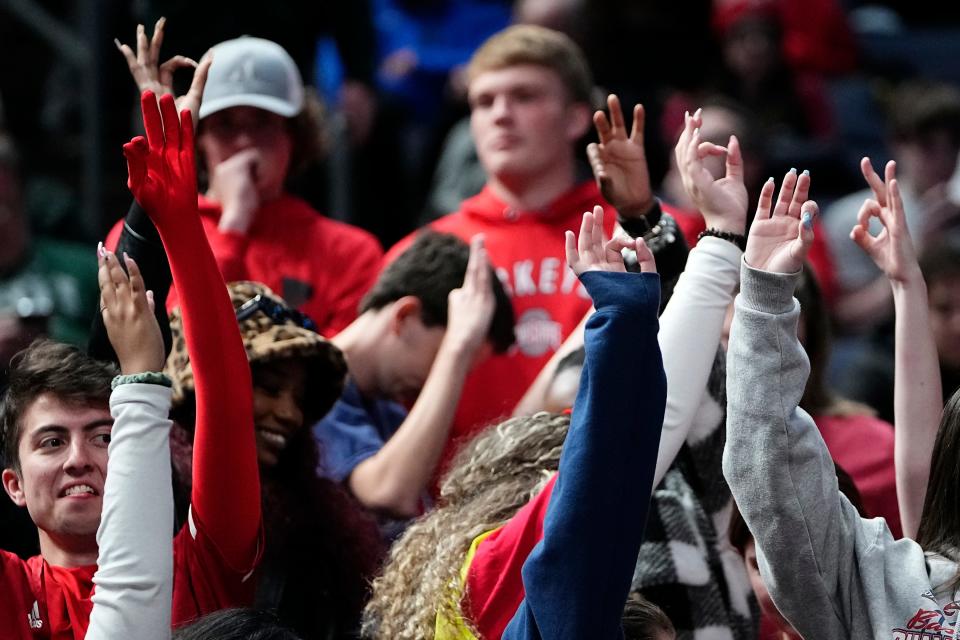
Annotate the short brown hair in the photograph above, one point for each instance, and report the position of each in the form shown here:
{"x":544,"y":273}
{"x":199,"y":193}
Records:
{"x":530,"y":44}
{"x":47,"y":366}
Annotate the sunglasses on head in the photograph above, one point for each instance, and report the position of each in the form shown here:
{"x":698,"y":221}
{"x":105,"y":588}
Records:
{"x":277,"y":312}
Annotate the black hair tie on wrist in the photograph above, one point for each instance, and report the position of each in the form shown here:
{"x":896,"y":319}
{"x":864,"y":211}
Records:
{"x":736,"y":238}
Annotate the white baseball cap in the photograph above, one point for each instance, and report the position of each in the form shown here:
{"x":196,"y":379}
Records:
{"x":252,"y":72}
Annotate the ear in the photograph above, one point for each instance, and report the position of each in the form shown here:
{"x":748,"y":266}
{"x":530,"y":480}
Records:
{"x":13,"y":485}
{"x":404,"y":311}
{"x":580,"y":119}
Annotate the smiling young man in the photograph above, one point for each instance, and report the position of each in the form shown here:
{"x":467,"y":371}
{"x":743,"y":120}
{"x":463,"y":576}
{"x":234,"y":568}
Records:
{"x":529,"y":90}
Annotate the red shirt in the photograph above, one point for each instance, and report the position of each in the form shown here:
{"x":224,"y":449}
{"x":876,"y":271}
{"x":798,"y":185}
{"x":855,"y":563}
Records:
{"x":318,"y":265}
{"x":527,"y":250}
{"x":39,"y":600}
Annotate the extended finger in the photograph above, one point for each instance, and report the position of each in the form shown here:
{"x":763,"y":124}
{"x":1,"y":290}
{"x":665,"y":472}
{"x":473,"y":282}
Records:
{"x":765,"y":203}
{"x":136,"y":278}
{"x":639,"y":119}
{"x":103,"y":274}
{"x":152,"y":122}
{"x":585,"y":239}
{"x":194,"y":95}
{"x":171,"y":121}
{"x":800,"y":192}
{"x":570,"y":248}
{"x":598,"y":234}
{"x":470,"y":276}
{"x":186,"y":139}
{"x":156,"y":41}
{"x":602,"y":125}
{"x":128,"y":54}
{"x":593,"y":156}
{"x":734,"y":159}
{"x":645,"y":257}
{"x":786,"y":193}
{"x":616,"y":116}
{"x":874,"y":181}
{"x":143,"y":46}
{"x":896,"y":203}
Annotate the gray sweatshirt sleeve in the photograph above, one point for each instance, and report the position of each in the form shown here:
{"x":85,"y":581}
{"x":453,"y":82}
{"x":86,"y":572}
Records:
{"x":134,"y":579}
{"x":778,"y":467}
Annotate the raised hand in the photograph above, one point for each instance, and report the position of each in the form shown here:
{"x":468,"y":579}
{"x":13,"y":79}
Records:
{"x":619,"y":162}
{"x":471,"y":307}
{"x":150,"y":75}
{"x":127,"y":310}
{"x":588,"y":251}
{"x":781,"y":235}
{"x":892,"y":249}
{"x":161,"y":168}
{"x":722,"y":202}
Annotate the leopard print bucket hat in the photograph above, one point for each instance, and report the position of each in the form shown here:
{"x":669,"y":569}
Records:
{"x":271,"y":330}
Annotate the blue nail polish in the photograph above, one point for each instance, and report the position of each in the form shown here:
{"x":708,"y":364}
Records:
{"x":807,"y":220}
{"x":770,"y":179}
{"x":806,"y":172}
{"x":793,"y":170}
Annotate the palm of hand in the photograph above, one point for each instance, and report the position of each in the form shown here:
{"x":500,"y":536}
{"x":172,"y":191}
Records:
{"x":628,"y":181}
{"x":596,"y":258}
{"x":773,"y":246}
{"x":716,"y":197}
{"x":889,"y":253}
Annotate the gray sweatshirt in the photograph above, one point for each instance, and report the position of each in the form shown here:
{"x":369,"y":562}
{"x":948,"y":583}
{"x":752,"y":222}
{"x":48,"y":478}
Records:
{"x":831,"y":573}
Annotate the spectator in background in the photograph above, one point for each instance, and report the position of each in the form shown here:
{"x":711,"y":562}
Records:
{"x":47,"y":287}
{"x":940,"y":264}
{"x":529,"y":90}
{"x":256,"y":129}
{"x":435,"y":312}
{"x":925,"y":141}
{"x":788,"y":104}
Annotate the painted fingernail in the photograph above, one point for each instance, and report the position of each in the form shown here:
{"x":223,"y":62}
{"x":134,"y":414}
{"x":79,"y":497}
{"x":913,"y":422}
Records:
{"x":806,"y":172}
{"x":770,"y":179}
{"x":807,"y":220}
{"x":792,"y":170}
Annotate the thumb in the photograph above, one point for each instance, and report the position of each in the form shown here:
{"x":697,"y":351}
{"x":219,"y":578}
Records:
{"x":802,"y":244}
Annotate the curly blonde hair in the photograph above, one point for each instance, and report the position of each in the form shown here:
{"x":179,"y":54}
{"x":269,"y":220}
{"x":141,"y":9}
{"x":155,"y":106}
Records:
{"x":492,"y":477}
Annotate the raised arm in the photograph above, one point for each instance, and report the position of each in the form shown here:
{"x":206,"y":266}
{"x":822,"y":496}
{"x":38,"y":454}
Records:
{"x":917,"y":393}
{"x":138,"y":238}
{"x":393,"y":479}
{"x":134,"y":578}
{"x":577,"y":578}
{"x":226,"y":486}
{"x":775,"y":461}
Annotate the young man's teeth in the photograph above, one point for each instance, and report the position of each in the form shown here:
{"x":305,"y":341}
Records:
{"x":80,"y":488}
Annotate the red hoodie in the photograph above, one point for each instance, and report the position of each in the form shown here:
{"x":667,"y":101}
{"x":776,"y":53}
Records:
{"x":527,"y":250}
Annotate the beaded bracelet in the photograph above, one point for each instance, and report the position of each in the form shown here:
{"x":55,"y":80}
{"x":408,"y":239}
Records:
{"x":147,"y":377}
{"x":736,"y":238}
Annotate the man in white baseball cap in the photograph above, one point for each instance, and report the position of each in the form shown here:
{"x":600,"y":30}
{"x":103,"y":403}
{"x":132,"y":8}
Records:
{"x":257,"y":127}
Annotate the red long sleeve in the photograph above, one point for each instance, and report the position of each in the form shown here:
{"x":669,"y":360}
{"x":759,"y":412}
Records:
{"x":226,"y":482}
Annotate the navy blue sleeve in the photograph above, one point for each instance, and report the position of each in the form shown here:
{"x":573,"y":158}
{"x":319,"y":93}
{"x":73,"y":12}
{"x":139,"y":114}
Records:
{"x":578,"y":577}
